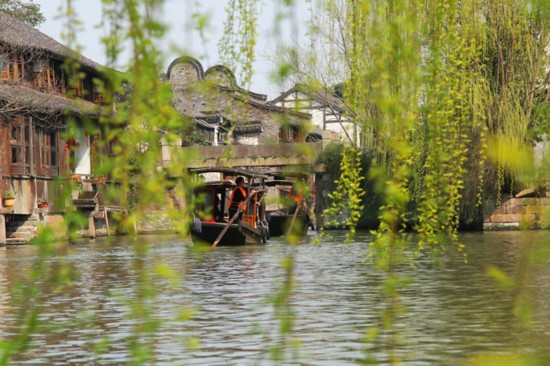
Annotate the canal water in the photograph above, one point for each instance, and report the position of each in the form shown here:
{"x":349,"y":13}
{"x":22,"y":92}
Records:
{"x":223,"y":308}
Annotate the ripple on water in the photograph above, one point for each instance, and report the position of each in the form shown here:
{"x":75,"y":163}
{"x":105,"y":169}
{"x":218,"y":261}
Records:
{"x":449,"y":311}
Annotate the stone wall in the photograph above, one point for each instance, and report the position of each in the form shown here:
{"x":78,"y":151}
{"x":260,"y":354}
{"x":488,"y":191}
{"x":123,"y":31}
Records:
{"x":517,"y":213}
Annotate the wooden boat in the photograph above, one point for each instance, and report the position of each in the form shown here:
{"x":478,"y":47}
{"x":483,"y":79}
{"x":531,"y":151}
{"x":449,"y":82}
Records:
{"x":212,"y":224}
{"x":289,"y":216}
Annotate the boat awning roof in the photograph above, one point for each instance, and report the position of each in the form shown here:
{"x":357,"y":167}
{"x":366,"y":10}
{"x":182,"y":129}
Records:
{"x":218,"y":184}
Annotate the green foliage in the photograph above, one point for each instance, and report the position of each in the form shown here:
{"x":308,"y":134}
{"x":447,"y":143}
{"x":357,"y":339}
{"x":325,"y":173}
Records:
{"x":349,"y":191}
{"x":9,"y":194}
{"x":338,"y":90}
{"x":436,"y":96}
{"x":446,"y":93}
{"x":237,"y":46}
{"x":503,"y":280}
{"x":330,"y":158}
{"x":441,"y":89}
{"x":131,"y":134}
{"x":366,"y":197}
{"x":26,"y":11}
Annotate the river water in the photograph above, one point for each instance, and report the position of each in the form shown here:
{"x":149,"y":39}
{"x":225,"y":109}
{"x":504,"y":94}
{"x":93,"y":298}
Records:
{"x":222,"y":310}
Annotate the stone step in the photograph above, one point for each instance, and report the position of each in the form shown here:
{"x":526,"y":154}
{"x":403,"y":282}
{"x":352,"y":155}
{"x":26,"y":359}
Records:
{"x":26,"y":229}
{"x":15,"y":241}
{"x":20,"y":235}
{"x":23,"y":227}
{"x":29,"y":224}
{"x":20,"y":223}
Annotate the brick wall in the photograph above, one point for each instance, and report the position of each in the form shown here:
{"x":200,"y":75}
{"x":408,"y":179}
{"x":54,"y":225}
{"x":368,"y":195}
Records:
{"x":517,"y":213}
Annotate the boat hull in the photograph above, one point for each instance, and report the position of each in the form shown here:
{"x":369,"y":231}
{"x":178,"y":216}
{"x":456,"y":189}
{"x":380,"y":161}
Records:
{"x":235,"y":235}
{"x":279,"y":224}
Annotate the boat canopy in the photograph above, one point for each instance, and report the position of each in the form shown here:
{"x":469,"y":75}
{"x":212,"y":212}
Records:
{"x":220,"y":184}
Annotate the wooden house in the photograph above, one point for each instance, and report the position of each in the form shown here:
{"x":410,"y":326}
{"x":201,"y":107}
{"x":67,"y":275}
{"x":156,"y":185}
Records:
{"x":36,"y":103}
{"x":328,"y":113}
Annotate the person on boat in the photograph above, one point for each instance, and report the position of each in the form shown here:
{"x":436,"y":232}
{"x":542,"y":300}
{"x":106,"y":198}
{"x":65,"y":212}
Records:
{"x":295,"y":197}
{"x":237,"y":198}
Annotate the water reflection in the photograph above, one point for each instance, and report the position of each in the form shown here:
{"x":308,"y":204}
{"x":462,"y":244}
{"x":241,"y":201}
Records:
{"x":453,"y":310}
{"x":4,"y":293}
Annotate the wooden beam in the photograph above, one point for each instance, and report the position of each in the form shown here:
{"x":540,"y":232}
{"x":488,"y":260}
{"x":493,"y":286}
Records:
{"x":91,"y":227}
{"x":2,"y":229}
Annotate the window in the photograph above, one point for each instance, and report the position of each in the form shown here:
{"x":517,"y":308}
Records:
{"x":4,"y":61}
{"x":98,"y":97}
{"x":290,"y":134}
{"x":222,"y":135}
{"x":59,"y":79}
{"x":285,"y":134}
{"x":15,"y":69}
{"x":40,"y":74}
{"x":20,"y":149}
{"x":77,"y":89}
{"x":208,"y":135}
{"x":53,"y":148}
{"x":48,"y":151}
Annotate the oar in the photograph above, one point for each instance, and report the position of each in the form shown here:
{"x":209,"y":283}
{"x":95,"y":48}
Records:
{"x":239,"y":210}
{"x":294,"y":217}
{"x":215,"y":244}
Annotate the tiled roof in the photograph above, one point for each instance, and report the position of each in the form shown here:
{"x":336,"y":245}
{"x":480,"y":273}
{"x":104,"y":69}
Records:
{"x":15,"y":33}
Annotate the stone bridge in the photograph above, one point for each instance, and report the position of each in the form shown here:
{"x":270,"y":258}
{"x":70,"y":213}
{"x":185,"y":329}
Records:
{"x":285,"y":154}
